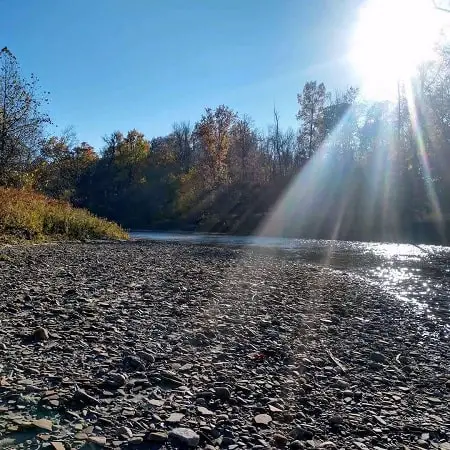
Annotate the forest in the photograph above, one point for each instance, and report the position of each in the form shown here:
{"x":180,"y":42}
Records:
{"x":352,"y":169}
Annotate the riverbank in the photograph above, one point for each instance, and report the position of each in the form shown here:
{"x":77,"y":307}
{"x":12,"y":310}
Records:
{"x":118,"y":344}
{"x":26,"y":215}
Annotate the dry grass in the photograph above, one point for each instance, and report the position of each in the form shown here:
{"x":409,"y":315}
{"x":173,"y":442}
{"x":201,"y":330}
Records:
{"x":28,"y":215}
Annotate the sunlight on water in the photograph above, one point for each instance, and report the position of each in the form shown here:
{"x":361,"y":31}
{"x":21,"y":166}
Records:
{"x":395,"y":250}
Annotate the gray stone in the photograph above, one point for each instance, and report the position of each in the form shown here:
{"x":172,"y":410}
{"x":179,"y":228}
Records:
{"x":262,"y":419}
{"x":175,"y":418}
{"x":125,"y":431}
{"x":185,"y":436}
{"x":341,"y":384}
{"x":302,"y":434}
{"x":99,"y":440}
{"x":336,"y":420}
{"x":280,"y":439}
{"x":223,"y":393}
{"x":146,"y":356}
{"x":40,"y":334}
{"x":377,"y":357}
{"x":204,"y":411}
{"x":157,"y":436}
{"x":80,"y":396}
{"x":116,"y":380}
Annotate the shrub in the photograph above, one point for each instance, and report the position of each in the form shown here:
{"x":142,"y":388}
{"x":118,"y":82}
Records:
{"x":26,"y":214}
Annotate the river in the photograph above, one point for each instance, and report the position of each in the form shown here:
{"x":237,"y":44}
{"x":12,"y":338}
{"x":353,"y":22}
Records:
{"x":419,"y":274}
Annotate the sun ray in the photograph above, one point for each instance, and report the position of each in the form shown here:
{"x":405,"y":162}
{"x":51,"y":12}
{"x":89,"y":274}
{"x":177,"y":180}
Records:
{"x":417,"y":129}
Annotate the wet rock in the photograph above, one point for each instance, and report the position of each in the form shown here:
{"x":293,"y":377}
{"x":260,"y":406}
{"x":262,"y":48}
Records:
{"x":185,"y":436}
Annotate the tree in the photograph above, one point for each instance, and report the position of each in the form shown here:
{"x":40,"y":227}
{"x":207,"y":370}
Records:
{"x":182,"y":135}
{"x":214,"y":136}
{"x":21,"y":121}
{"x":243,"y":147}
{"x":311,"y":106}
{"x":340,"y":124}
{"x":61,"y":165}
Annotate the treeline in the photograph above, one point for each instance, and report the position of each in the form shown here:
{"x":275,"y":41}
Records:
{"x":351,"y":170}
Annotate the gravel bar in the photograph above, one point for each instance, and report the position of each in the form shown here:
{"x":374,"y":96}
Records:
{"x":144,"y":345}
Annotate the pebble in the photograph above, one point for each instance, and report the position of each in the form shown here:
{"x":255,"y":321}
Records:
{"x":40,"y":334}
{"x":175,"y":418}
{"x":116,"y":380}
{"x":262,"y":419}
{"x":377,"y":357}
{"x":341,"y":384}
{"x":303,"y":434}
{"x":146,"y":356}
{"x":157,"y":436}
{"x":125,"y":431}
{"x":336,"y":420}
{"x":218,"y":339}
{"x":280,"y":440}
{"x":44,"y":424}
{"x":98,"y":440}
{"x":58,"y":445}
{"x":204,"y":411}
{"x":80,"y":396}
{"x":185,"y":436}
{"x":224,"y":393}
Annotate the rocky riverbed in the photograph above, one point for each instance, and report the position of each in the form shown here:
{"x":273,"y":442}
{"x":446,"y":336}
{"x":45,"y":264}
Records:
{"x":156,"y":345}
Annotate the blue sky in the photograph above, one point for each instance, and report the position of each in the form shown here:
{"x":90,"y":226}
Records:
{"x":122,"y":64}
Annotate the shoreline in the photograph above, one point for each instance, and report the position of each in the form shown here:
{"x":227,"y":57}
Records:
{"x":234,"y":344}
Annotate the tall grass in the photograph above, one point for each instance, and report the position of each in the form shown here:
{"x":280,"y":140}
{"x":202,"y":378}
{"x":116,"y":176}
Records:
{"x":26,"y":214}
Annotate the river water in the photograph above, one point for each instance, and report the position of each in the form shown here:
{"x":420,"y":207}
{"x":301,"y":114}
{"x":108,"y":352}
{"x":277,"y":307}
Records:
{"x":419,"y":274}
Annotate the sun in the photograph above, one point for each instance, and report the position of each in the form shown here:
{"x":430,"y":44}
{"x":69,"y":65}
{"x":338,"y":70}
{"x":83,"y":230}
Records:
{"x":390,"y":40}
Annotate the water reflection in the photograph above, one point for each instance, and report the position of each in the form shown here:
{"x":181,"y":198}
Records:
{"x":416,"y":274}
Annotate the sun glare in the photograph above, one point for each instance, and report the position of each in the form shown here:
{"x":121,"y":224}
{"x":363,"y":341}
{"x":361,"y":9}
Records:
{"x":391,"y":38}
